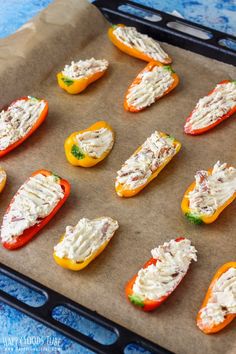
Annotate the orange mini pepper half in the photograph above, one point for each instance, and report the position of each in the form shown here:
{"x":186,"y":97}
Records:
{"x":78,"y":157}
{"x":38,"y":122}
{"x":228,"y":318}
{"x":189,"y":130}
{"x":147,"y":304}
{"x":3,"y":179}
{"x":132,"y":51}
{"x":120,"y":189}
{"x":29,"y":233}
{"x":197,"y":218}
{"x":150,"y":66}
{"x":75,"y":86}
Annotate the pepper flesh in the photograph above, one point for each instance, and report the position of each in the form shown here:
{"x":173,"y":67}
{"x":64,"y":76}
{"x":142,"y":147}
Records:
{"x":29,"y":233}
{"x":189,"y":130}
{"x":39,"y":121}
{"x":127,"y":193}
{"x":228,"y":318}
{"x":4,"y":180}
{"x":85,"y":160}
{"x":138,"y":79}
{"x":73,"y":265}
{"x":201,"y":218}
{"x":147,"y":304}
{"x":131,"y":50}
{"x":75,"y":86}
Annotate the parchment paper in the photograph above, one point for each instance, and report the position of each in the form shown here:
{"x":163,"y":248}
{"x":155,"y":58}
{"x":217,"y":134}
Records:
{"x":29,"y":61}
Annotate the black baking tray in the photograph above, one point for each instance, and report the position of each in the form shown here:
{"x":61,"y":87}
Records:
{"x":160,"y":30}
{"x":43,"y":314}
{"x":212,"y":46}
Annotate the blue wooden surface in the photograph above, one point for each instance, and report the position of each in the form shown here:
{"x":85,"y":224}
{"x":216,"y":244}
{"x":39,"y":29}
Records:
{"x":20,"y":334}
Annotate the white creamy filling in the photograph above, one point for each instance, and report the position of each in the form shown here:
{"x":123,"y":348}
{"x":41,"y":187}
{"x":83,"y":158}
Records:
{"x":18,"y":119}
{"x":212,"y":191}
{"x":95,"y":142}
{"x":222,"y":301}
{"x":173,"y":260}
{"x":2,"y":175}
{"x":140,"y":166}
{"x":210,"y":108}
{"x":35,"y":199}
{"x":85,"y":238}
{"x":143,"y":43}
{"x":152,"y":86}
{"x":84,"y":68}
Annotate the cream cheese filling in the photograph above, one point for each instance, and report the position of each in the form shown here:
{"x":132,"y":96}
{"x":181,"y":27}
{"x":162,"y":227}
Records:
{"x":143,"y":43}
{"x":95,"y":142}
{"x":85,"y":238}
{"x":35,"y":199}
{"x":3,"y":175}
{"x":222,"y":301}
{"x":173,"y":260}
{"x":18,"y":119}
{"x":210,"y":108}
{"x":212,"y":191}
{"x":152,"y":86}
{"x":84,"y":68}
{"x":140,"y":166}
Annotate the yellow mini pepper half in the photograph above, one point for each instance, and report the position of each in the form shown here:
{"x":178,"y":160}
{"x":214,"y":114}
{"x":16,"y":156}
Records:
{"x":201,"y":218}
{"x":131,"y":192}
{"x":103,"y":240}
{"x":74,"y":86}
{"x":3,"y":179}
{"x":72,"y":265}
{"x":76,"y":156}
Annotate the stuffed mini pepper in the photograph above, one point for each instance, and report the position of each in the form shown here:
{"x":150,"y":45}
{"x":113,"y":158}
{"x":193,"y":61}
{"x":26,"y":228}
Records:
{"x":3,"y":179}
{"x":88,"y":147}
{"x":145,"y":164}
{"x":78,"y":75}
{"x":210,"y":194}
{"x":136,"y":44}
{"x":82,"y":243}
{"x":219,"y":306}
{"x":153,"y":82}
{"x":212,"y":109}
{"x":32,"y":207}
{"x":161,"y":274}
{"x":19,"y":120}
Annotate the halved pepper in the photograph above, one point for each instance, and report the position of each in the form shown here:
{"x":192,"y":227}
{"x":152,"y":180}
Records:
{"x":197,"y":218}
{"x":147,"y":304}
{"x":228,"y":318}
{"x":138,"y":79}
{"x":29,"y":233}
{"x":132,"y":192}
{"x":39,"y":121}
{"x":189,"y":130}
{"x":3,"y":179}
{"x":78,"y":265}
{"x":75,"y":86}
{"x":131,"y":50}
{"x":72,"y":265}
{"x":76,"y":156}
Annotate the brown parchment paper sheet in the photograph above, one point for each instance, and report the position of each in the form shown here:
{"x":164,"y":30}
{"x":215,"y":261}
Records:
{"x":29,"y":61}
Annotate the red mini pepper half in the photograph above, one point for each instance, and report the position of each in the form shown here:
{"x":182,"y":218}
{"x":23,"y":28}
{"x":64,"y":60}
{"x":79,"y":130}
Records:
{"x":147,"y":304}
{"x":191,"y":131}
{"x":39,"y":121}
{"x":29,"y":233}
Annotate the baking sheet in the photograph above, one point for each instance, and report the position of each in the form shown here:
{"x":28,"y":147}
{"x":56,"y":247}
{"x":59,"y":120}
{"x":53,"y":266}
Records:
{"x":29,"y":62}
